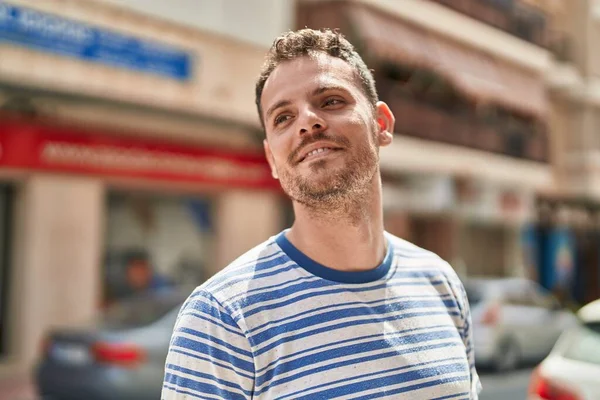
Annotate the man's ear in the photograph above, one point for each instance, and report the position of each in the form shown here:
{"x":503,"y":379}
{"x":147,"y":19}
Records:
{"x":385,"y":123}
{"x":270,"y":159}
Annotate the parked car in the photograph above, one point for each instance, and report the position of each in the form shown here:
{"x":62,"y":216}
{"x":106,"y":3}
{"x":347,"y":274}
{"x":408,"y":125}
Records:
{"x":514,"y":320}
{"x":122,"y":356}
{"x":572,"y":370}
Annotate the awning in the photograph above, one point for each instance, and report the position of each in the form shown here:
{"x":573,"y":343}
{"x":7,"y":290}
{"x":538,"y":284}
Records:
{"x":475,"y":73}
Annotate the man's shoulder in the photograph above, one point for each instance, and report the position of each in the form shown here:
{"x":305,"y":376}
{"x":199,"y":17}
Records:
{"x":413,"y":259}
{"x":410,"y":254}
{"x":242,"y":274}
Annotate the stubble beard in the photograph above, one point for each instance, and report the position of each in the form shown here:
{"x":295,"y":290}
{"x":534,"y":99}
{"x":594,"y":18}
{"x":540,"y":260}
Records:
{"x":340,"y":192}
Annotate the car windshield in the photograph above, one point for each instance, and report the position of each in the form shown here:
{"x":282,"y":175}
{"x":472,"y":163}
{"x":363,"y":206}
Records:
{"x":140,"y":311}
{"x":584,"y":344}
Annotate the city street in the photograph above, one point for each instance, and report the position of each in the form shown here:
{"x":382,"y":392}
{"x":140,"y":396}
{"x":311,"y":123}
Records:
{"x":508,"y":386}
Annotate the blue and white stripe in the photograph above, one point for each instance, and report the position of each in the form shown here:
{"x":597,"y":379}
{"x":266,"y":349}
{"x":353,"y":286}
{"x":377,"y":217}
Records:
{"x":276,"y":325}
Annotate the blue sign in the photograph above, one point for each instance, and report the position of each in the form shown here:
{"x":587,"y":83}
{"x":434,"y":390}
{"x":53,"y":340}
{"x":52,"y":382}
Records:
{"x":530,"y":248}
{"x":50,"y":33}
{"x":558,"y":265}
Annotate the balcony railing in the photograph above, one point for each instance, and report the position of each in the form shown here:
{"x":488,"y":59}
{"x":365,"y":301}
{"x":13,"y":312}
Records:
{"x":511,"y":16}
{"x":424,"y":120}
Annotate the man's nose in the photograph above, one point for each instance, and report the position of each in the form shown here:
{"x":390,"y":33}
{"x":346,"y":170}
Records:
{"x":311,"y":122}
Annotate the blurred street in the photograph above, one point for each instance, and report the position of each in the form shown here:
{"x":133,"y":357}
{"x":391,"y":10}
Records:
{"x":512,"y":385}
{"x":506,"y":386}
{"x":133,"y":169}
{"x":16,"y":389}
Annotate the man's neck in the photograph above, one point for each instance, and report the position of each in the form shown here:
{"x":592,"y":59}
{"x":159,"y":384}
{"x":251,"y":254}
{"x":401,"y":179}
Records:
{"x":349,"y":239}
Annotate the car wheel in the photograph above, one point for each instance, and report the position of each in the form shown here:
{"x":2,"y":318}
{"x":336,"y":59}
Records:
{"x":508,"y":356}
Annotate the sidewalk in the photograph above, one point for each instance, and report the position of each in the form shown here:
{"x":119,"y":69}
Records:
{"x":17,"y":388}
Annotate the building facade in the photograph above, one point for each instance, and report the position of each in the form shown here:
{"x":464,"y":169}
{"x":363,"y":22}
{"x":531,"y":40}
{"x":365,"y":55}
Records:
{"x":571,"y":210}
{"x":125,"y":127}
{"x":466,"y":81}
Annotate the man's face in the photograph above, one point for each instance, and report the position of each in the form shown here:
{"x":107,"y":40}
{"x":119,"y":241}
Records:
{"x":323,"y":137}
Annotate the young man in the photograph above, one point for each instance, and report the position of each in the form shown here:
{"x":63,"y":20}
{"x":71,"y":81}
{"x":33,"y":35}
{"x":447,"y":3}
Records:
{"x":334,"y":307}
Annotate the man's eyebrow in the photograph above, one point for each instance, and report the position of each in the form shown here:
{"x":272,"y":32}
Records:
{"x":326,"y":88}
{"x":317,"y":91}
{"x":279,"y":104}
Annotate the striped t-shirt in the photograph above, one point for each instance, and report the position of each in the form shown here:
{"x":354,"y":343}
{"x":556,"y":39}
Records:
{"x":277,"y":325}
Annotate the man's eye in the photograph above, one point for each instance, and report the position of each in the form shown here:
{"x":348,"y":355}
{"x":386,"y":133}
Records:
{"x":281,"y":118}
{"x":332,"y":102}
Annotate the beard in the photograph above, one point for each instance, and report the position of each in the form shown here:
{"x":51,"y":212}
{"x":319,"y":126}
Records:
{"x":332,"y":188}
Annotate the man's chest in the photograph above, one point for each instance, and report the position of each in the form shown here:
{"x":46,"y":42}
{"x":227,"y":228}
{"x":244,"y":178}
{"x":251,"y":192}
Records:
{"x":355,"y":346}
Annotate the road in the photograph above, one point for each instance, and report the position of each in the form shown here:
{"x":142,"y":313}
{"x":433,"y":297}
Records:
{"x":507,"y":386}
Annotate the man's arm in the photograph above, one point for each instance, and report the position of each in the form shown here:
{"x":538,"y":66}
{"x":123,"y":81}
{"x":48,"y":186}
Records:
{"x":465,"y":330}
{"x":468,"y":341}
{"x":209,"y":356}
{"x":467,"y":333}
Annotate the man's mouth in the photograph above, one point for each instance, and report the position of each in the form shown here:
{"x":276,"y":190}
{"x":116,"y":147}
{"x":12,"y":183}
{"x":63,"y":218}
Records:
{"x":321,"y":151}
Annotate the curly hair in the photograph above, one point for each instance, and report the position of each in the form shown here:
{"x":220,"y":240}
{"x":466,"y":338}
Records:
{"x":306,"y":42}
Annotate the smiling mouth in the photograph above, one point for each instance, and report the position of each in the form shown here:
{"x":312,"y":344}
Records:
{"x":321,"y":151}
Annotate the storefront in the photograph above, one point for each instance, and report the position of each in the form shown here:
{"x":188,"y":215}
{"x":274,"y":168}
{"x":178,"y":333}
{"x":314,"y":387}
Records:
{"x":137,"y":138}
{"x":87,"y":199}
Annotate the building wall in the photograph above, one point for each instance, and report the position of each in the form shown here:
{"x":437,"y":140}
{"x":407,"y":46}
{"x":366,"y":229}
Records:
{"x":223,"y":76}
{"x":57,"y":258}
{"x":244,"y":220}
{"x":449,"y":23}
{"x":253,"y":21}
{"x":575,"y":117}
{"x":594,"y":58}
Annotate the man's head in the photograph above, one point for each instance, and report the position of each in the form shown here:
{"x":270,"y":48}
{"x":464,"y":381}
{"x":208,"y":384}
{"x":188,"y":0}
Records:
{"x":324,"y":126}
{"x":308,"y":42}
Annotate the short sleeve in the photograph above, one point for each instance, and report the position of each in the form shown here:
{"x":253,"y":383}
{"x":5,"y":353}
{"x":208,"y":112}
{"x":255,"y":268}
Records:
{"x":466,"y":333}
{"x":468,"y":341}
{"x":209,"y":355}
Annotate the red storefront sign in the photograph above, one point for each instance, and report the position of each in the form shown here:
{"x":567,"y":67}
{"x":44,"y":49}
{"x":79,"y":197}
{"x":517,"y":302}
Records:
{"x":41,"y":147}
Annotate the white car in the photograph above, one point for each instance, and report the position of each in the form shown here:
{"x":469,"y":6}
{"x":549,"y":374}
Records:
{"x":572,"y":370}
{"x":514,"y":320}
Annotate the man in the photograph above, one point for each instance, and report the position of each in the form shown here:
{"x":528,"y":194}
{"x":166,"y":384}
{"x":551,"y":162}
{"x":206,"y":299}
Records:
{"x":334,"y":307}
{"x":139,"y":277}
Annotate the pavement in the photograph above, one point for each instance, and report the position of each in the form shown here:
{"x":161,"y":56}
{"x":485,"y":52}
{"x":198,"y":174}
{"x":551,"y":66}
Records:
{"x":505,"y":386}
{"x":17,"y":388}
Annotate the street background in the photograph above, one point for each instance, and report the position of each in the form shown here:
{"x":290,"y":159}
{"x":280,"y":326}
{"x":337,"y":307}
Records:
{"x":131,"y":162}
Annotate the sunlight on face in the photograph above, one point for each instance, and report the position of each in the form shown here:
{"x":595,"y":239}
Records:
{"x":320,"y":130}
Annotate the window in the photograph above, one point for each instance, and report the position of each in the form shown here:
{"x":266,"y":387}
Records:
{"x":155,"y":241}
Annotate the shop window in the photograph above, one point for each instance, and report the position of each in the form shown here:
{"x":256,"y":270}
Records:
{"x":155,"y":243}
{"x":6,"y":217}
